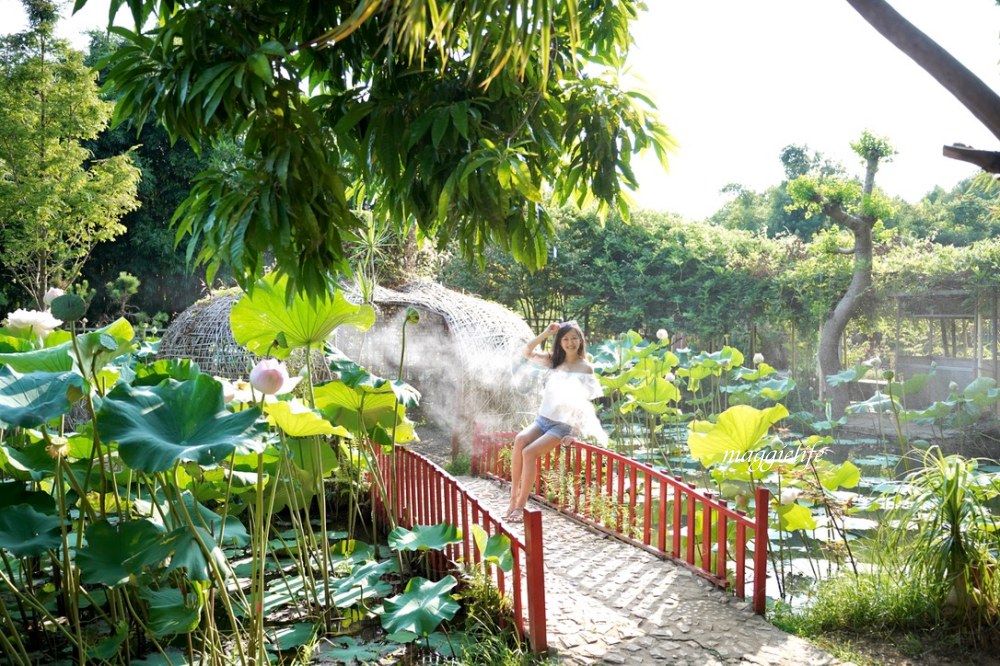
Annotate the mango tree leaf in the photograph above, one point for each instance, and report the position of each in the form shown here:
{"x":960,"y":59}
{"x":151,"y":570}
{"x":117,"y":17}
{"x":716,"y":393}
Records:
{"x":296,"y":420}
{"x":25,"y":532}
{"x":793,"y":517}
{"x":421,"y":608}
{"x":104,"y":559}
{"x":259,"y":319}
{"x":739,"y":429}
{"x":424,"y":537}
{"x":35,"y":398}
{"x":169,"y":612}
{"x":494,"y":549}
{"x":158,"y":426}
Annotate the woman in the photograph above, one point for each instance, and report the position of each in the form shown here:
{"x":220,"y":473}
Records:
{"x":565,"y":411}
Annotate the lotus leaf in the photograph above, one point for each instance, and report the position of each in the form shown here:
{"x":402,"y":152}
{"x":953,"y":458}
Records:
{"x":268,"y":316}
{"x":183,"y":551}
{"x":793,"y":517}
{"x":169,"y":611}
{"x":156,"y":427}
{"x":296,"y":420}
{"x":32,"y":460}
{"x":495,"y":549}
{"x":848,"y":376}
{"x":14,"y":492}
{"x":291,"y":636}
{"x":424,"y":537}
{"x":105,"y":558}
{"x":151,"y":374}
{"x":26,"y":532}
{"x":878,"y":403}
{"x":739,"y":429}
{"x":364,"y":582}
{"x":35,"y":398}
{"x":348,"y":650}
{"x":422,"y":606}
{"x":845,"y":475}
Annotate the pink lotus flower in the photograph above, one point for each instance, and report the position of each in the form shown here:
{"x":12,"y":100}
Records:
{"x":52,"y":294}
{"x":270,"y":377}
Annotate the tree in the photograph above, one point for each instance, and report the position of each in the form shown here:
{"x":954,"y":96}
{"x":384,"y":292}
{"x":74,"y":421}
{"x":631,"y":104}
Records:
{"x":56,"y":203}
{"x":857,"y":207}
{"x":454,"y":116}
{"x":147,"y":249}
{"x":957,"y":79}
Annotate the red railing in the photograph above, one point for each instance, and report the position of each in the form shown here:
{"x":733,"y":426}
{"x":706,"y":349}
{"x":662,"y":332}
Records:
{"x":645,"y":507}
{"x":428,"y":495}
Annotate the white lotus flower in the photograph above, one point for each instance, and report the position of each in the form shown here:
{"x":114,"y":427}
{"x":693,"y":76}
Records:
{"x":39,"y":323}
{"x":228,"y":389}
{"x":52,"y":294}
{"x":789,"y":495}
{"x":662,"y":334}
{"x":670,"y":376}
{"x":270,"y":377}
{"x":758,"y":358}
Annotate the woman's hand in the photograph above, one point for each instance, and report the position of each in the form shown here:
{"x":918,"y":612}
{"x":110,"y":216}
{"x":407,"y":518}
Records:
{"x":553,"y":327}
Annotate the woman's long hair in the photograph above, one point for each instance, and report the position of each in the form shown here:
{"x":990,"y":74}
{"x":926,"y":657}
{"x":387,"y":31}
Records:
{"x":558,"y":353}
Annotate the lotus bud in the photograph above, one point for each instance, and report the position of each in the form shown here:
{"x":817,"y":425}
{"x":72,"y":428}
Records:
{"x":888,"y":375}
{"x":39,"y":323}
{"x":953,"y":387}
{"x":268,"y":376}
{"x":758,"y":358}
{"x":670,"y":376}
{"x":412,"y":315}
{"x":52,"y":294}
{"x":662,"y":335}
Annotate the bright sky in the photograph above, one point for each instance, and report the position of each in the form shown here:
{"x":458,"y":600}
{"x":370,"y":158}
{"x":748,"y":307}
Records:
{"x":737,"y":80}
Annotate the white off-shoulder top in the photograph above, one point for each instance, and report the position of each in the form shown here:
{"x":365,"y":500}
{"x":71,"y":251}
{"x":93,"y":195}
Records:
{"x":566,"y":398}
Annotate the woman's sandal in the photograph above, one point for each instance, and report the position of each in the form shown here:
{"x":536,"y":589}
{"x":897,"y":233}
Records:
{"x":515,"y":516}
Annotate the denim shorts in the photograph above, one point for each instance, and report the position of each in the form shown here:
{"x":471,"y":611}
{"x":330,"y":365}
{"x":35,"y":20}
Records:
{"x":550,"y":427}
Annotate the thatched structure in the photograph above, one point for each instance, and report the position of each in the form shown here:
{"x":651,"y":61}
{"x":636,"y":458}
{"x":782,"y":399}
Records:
{"x":462,"y":356}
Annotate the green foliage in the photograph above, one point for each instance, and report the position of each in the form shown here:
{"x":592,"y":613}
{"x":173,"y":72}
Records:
{"x":56,"y":203}
{"x":455,"y":119}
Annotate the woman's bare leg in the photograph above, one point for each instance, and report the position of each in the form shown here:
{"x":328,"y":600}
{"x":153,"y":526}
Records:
{"x":529,"y":455}
{"x":521,"y":440}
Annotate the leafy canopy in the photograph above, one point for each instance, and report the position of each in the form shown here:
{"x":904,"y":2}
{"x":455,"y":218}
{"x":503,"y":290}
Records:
{"x":454,"y":116}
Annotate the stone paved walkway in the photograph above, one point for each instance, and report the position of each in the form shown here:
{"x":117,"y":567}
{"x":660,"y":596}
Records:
{"x":611,"y":603}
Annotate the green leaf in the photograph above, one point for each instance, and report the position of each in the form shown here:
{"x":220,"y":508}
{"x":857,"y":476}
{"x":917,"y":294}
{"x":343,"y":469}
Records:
{"x":364,"y":582}
{"x":348,"y":650}
{"x":104,"y":560}
{"x":68,"y":307}
{"x":739,"y":429}
{"x":258,"y":319}
{"x":845,"y":475}
{"x":424,"y":537}
{"x":495,"y":549}
{"x":156,"y":427}
{"x":38,"y":397}
{"x":169,"y":612}
{"x":421,"y":608}
{"x":291,"y":636}
{"x":179,"y":550}
{"x":15,"y":492}
{"x":296,"y":420}
{"x":25,"y":532}
{"x":793,"y":517}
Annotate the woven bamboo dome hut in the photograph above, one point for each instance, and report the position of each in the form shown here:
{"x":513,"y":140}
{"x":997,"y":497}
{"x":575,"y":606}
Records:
{"x":462,"y":356}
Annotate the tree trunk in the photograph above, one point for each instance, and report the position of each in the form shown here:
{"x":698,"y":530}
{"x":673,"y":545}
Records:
{"x":968,"y":88}
{"x":833,"y":328}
